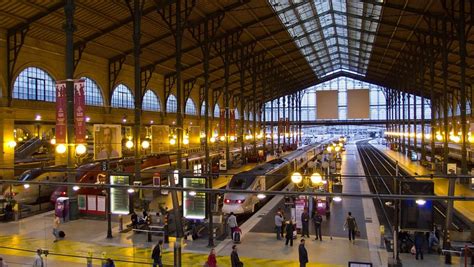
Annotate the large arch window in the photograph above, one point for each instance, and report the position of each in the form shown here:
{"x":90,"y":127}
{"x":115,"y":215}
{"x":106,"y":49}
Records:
{"x":251,"y":116}
{"x":171,"y":104}
{"x":122,"y":97}
{"x":93,"y":93}
{"x":34,"y":84}
{"x":237,"y":115}
{"x":150,"y":101}
{"x":190,"y":107}
{"x":203,"y":109}
{"x":217,"y":111}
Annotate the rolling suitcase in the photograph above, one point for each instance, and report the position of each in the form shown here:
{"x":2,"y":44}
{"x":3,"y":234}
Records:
{"x":61,"y":234}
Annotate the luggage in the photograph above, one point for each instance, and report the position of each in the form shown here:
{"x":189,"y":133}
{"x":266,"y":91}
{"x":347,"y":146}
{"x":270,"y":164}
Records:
{"x":61,"y":234}
{"x":236,"y":237}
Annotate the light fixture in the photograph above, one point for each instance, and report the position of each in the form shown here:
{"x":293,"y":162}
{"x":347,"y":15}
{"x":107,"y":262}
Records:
{"x":337,"y":199}
{"x":26,"y":186}
{"x":53,"y":141}
{"x":439,"y":137}
{"x":75,"y":188}
{"x":212,"y":139}
{"x":145,"y":144}
{"x":296,"y":177}
{"x":131,"y":190}
{"x":232,"y":138}
{"x":192,"y":193}
{"x":329,"y":149}
{"x":222,"y":138}
{"x":11,"y":144}
{"x":129,"y":144}
{"x":172,"y":141}
{"x":316,"y":178}
{"x":81,"y":149}
{"x":88,"y":119}
{"x":202,"y":135}
{"x":37,"y":117}
{"x":337,"y":148}
{"x":185,"y":141}
{"x":61,"y":148}
{"x":151,"y":122}
{"x":124,"y":119}
{"x":420,"y":202}
{"x":261,"y":196}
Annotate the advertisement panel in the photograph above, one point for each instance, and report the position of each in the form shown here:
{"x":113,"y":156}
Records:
{"x":119,"y":198}
{"x":222,"y":122}
{"x":194,"y":204}
{"x":107,"y":141}
{"x":160,"y":141}
{"x":79,"y":111}
{"x":299,"y":209}
{"x":61,"y":112}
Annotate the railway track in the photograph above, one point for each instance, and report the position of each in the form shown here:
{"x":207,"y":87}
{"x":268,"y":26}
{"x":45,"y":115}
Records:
{"x":380,"y":171}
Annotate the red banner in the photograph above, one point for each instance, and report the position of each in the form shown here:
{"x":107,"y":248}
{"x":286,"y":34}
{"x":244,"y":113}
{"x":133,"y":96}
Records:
{"x":222,"y":122}
{"x":79,"y":111}
{"x":61,"y":112}
{"x":232,"y":122}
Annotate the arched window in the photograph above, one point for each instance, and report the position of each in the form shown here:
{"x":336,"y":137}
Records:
{"x":217,"y":111}
{"x":190,"y":107}
{"x":171,"y":104}
{"x":203,"y":108}
{"x":237,"y":115}
{"x":34,"y":84}
{"x":150,"y":101}
{"x":93,"y":93}
{"x":122,"y":97}
{"x":250,"y":116}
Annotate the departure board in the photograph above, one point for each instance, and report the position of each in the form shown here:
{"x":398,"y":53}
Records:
{"x":195,"y":202}
{"x":119,"y":198}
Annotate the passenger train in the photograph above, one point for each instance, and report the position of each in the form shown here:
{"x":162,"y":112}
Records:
{"x":268,"y":176}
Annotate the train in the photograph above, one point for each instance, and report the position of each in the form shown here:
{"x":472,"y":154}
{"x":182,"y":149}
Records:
{"x":268,"y":176}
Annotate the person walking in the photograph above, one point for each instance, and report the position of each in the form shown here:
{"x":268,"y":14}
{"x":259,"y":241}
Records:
{"x":419,"y":241}
{"x":38,"y":262}
{"x":317,"y":221}
{"x":156,"y":255}
{"x":282,"y":214}
{"x":232,"y":222}
{"x":56,"y":223}
{"x":351,"y":225}
{"x":289,"y":233}
{"x":278,"y":225}
{"x":211,"y":259}
{"x":234,"y":258}
{"x":303,"y":254}
{"x":3,"y":263}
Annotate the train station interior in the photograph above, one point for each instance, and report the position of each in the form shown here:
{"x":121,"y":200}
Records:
{"x":236,"y":133}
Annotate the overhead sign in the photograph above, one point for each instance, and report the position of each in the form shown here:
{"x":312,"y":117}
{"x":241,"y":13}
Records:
{"x":194,"y":204}
{"x":79,"y":111}
{"x":61,"y":112}
{"x":119,"y":199}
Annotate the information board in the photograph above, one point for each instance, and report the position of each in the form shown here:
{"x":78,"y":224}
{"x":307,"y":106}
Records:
{"x":194,"y":205}
{"x":299,"y":209}
{"x":119,"y":199}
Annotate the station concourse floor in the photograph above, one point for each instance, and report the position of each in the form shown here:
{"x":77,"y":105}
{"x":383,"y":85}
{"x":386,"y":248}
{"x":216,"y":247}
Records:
{"x":441,"y":184}
{"x":19,"y":239}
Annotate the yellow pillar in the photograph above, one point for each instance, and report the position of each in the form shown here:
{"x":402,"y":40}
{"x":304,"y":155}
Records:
{"x":7,"y":148}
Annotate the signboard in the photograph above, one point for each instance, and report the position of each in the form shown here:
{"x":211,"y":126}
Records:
{"x":79,"y":111}
{"x":299,"y":209}
{"x":194,"y":205}
{"x":61,"y":105}
{"x":452,"y":168}
{"x":359,"y":264}
{"x":107,"y":141}
{"x":119,"y":199}
{"x":160,"y":140}
{"x":222,"y":165}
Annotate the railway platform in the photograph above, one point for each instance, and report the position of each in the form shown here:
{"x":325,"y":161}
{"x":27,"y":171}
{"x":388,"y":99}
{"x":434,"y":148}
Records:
{"x":466,"y":208}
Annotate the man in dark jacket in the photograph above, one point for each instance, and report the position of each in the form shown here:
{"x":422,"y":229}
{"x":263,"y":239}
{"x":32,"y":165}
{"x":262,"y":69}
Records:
{"x":289,"y":233}
{"x":234,"y":258}
{"x":156,"y":255}
{"x":305,"y":222}
{"x":317,"y":220}
{"x":303,"y":254}
{"x":419,"y":241}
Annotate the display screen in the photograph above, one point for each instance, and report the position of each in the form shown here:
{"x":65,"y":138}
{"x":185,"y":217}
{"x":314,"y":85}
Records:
{"x":194,"y":205}
{"x":119,"y":199}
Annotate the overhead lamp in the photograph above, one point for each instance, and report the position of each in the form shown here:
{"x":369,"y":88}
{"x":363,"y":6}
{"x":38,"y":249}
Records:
{"x":337,"y":199}
{"x":172,"y":141}
{"x":61,"y":148}
{"x":296,"y":177}
{"x":222,"y":138}
{"x":185,"y":141}
{"x":192,"y":193}
{"x":53,"y":141}
{"x":151,"y":122}
{"x":337,"y":148}
{"x":37,"y":117}
{"x":145,"y":144}
{"x":11,"y":144}
{"x":131,"y":190}
{"x":212,"y":139}
{"x":76,"y":188}
{"x":329,"y":149}
{"x":26,"y":186}
{"x":261,"y":196}
{"x":232,"y":138}
{"x":420,"y":202}
{"x":316,"y":178}
{"x":88,"y":119}
{"x":129,"y":144}
{"x":81,"y":149}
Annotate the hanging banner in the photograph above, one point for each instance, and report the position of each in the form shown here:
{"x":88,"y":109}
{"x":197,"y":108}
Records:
{"x":232,"y":122}
{"x":61,"y":112}
{"x":107,"y":141}
{"x":279,"y":129}
{"x":222,"y":122}
{"x":79,"y":111}
{"x":160,"y":140}
{"x":287,"y":126}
